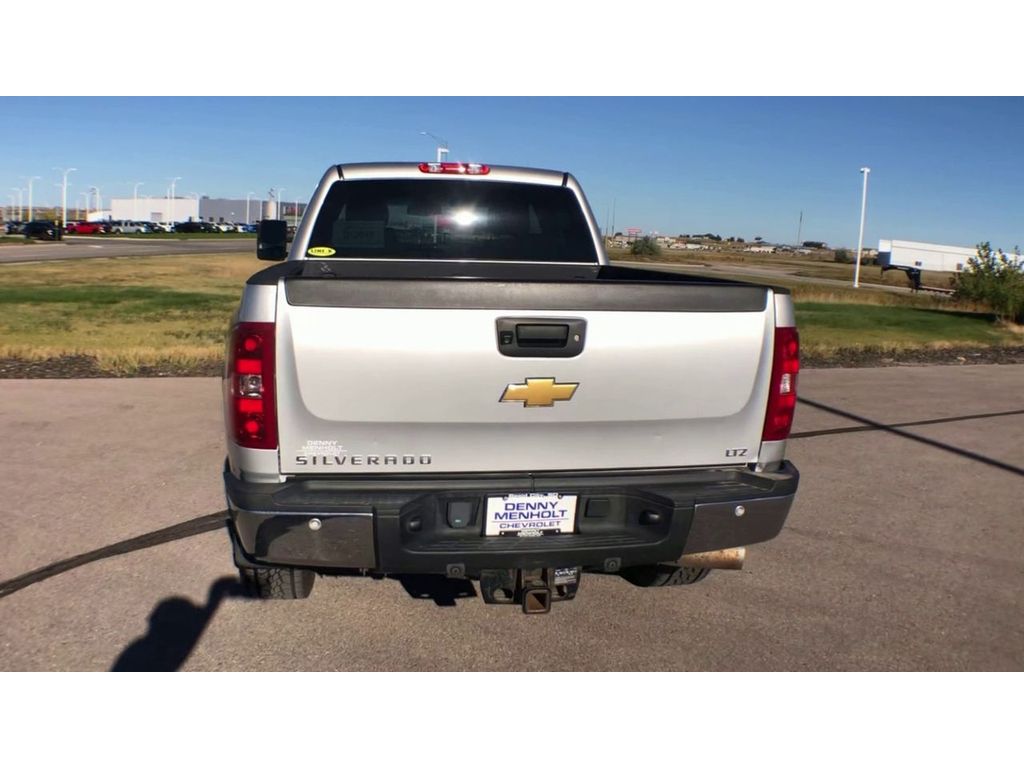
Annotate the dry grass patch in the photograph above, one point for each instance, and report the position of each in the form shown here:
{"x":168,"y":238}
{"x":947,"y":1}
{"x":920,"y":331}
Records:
{"x":126,"y":313}
{"x":142,"y":312}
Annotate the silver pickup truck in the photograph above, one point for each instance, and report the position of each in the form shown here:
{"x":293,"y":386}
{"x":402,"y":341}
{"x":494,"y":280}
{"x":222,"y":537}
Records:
{"x":445,"y":375}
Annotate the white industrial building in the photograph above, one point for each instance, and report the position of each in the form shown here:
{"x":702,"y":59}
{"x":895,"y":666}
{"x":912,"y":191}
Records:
{"x":158,"y":209}
{"x":212,"y":209}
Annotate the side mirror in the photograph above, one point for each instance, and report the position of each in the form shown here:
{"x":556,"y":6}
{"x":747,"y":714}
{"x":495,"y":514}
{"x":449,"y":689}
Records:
{"x":272,"y":240}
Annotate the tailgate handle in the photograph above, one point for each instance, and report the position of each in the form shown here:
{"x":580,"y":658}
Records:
{"x":541,"y":336}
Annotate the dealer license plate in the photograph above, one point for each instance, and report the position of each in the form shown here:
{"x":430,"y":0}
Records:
{"x":530,"y":514}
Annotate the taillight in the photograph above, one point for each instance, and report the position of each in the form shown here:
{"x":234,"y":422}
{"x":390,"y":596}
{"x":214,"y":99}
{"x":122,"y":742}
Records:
{"x":465,"y":169}
{"x":782,"y":395}
{"x":251,"y":368}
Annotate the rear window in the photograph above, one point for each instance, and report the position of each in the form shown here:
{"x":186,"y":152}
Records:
{"x":451,"y":219}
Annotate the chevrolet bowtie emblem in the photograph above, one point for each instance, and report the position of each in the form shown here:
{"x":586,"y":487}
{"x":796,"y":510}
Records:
{"x":538,"y":392}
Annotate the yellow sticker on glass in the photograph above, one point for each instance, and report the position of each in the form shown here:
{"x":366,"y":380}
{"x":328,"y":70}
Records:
{"x":321,"y":250}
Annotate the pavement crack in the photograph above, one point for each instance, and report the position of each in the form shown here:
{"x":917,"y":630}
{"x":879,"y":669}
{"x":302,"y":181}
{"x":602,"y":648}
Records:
{"x":919,"y":423}
{"x":193,"y":527}
{"x":893,"y":430}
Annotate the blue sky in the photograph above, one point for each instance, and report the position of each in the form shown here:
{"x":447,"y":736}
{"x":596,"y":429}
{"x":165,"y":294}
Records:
{"x":944,"y":170}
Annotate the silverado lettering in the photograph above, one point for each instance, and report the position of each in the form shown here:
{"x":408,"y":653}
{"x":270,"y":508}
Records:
{"x":356,"y":460}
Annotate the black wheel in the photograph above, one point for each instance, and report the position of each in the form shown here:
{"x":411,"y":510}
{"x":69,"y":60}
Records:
{"x":662,"y":575}
{"x":278,"y":583}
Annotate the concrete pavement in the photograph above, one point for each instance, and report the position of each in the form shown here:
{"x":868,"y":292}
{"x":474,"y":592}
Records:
{"x":902,"y":550}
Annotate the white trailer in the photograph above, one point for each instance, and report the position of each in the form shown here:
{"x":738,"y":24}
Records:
{"x":929,"y":256}
{"x":913,"y":258}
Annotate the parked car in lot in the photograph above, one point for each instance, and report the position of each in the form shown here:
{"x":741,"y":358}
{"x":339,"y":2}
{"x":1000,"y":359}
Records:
{"x":128,"y":227}
{"x":84,"y":228}
{"x":41,"y":230}
{"x":195,"y":226}
{"x":14,"y":227}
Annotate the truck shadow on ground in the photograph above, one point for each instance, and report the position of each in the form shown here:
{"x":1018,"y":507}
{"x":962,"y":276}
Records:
{"x":442,"y":590}
{"x":175,"y":626}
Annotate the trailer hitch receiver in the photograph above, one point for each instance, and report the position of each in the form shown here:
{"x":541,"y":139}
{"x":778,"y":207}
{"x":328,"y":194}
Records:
{"x":534,"y":589}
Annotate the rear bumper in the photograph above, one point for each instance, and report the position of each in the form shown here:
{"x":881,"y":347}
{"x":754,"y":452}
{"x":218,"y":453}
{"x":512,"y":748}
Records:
{"x":400,"y":524}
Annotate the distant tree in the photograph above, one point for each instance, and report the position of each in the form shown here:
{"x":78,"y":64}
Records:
{"x":618,"y":234}
{"x":842,"y":256}
{"x":758,"y":239}
{"x":645,"y":246}
{"x":740,"y":240}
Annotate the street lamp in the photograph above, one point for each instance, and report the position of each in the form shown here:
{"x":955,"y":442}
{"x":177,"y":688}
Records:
{"x":64,"y":195}
{"x":248,"y":197}
{"x":196,"y":195}
{"x":860,"y":241}
{"x":99,"y":201}
{"x":170,"y":198}
{"x":21,"y":203}
{"x":30,"y":179}
{"x":295,"y":214}
{"x":135,"y":200}
{"x":280,"y":203}
{"x":442,"y":145}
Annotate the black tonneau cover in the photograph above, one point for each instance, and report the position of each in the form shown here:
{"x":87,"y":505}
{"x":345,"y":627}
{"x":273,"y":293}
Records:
{"x":439,"y":285}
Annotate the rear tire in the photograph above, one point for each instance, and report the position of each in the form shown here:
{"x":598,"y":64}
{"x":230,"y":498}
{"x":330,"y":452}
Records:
{"x":278,"y":583}
{"x":663,"y":575}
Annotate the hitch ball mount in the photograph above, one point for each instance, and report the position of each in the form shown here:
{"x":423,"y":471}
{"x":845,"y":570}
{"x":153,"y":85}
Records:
{"x":534,"y":589}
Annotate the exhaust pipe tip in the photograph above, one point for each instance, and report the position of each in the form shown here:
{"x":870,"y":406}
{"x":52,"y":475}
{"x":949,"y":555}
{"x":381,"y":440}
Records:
{"x":720,"y":559}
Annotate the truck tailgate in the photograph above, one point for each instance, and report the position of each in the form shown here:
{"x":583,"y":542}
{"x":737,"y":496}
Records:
{"x":407,"y":376}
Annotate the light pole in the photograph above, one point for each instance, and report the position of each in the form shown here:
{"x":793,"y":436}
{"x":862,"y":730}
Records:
{"x":295,"y":215}
{"x":860,"y":241}
{"x":442,"y":145}
{"x":99,"y":201}
{"x":64,"y":195}
{"x":21,"y":203}
{"x":135,"y":200}
{"x":280,"y":203}
{"x":170,"y":198}
{"x":30,"y":179}
{"x":248,"y":197}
